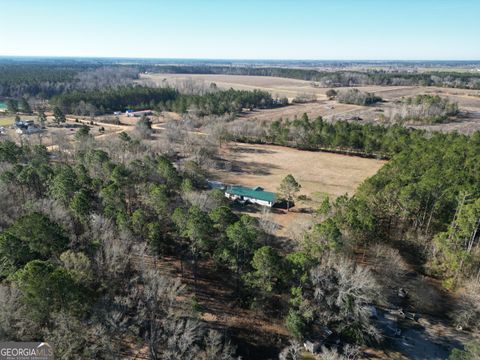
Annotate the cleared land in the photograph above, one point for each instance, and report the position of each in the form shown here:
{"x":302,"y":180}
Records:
{"x":468,"y":100}
{"x":275,"y":85}
{"x":319,"y":174}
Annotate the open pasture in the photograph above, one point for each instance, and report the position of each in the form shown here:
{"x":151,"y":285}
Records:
{"x":319,"y":174}
{"x":468,"y":100}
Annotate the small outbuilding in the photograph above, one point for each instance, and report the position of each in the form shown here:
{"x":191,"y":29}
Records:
{"x":139,"y":113}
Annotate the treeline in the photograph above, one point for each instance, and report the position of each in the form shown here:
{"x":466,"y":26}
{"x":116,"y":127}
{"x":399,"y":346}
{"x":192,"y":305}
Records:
{"x":44,"y":80}
{"x":139,"y":97}
{"x":114,"y":99}
{"x":318,"y":134}
{"x":222,"y":102}
{"x":17,"y":80}
{"x":339,"y":78}
{"x":91,"y":215}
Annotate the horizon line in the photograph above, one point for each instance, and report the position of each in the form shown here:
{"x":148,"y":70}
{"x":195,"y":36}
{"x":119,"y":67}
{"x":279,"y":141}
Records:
{"x":234,"y":59}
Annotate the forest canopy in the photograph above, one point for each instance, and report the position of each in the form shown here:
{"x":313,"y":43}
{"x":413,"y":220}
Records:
{"x":164,"y":98}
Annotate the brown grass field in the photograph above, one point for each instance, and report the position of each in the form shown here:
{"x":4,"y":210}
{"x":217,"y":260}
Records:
{"x":318,"y":173}
{"x":277,"y":86}
{"x":468,"y":100}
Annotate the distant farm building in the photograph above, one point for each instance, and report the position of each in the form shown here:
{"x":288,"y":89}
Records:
{"x":254,"y":195}
{"x":132,"y":113}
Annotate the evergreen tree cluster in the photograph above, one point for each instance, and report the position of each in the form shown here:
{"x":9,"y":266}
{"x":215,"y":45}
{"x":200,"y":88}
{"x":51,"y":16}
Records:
{"x":140,"y":97}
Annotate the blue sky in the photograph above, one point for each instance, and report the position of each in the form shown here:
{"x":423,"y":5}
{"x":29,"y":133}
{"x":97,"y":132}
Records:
{"x":243,"y":29}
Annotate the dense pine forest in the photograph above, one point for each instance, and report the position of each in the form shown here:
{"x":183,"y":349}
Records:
{"x":69,"y":233}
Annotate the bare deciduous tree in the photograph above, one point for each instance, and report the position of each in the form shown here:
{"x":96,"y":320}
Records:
{"x":342,"y":294}
{"x":291,"y":352}
{"x":55,"y":211}
{"x":217,"y":347}
{"x":389,"y":264}
{"x":180,"y":337}
{"x":14,"y":322}
{"x":200,"y":199}
{"x":76,"y":340}
{"x":467,"y":315}
{"x":331,"y":354}
{"x":155,"y":309}
{"x":114,"y":254}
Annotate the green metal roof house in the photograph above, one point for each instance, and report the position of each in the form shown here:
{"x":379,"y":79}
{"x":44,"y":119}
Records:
{"x":254,"y":195}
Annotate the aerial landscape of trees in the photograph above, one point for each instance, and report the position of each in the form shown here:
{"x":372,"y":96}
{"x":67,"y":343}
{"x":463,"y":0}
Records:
{"x":87,"y":217}
{"x":443,"y":211}
{"x":119,"y":245}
